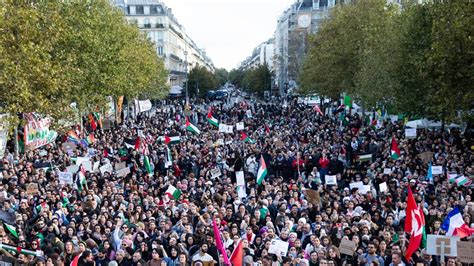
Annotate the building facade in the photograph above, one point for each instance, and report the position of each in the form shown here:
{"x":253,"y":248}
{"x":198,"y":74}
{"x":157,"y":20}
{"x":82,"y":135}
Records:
{"x":262,"y":54}
{"x":173,"y":45}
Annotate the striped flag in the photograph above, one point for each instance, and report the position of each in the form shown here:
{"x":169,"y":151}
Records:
{"x":73,"y":137}
{"x":463,"y":181}
{"x":11,"y":229}
{"x":173,"y":192}
{"x":81,"y":182}
{"x":169,"y":140}
{"x":394,"y":150}
{"x":211,"y":119}
{"x":364,"y":157}
{"x":262,"y":171}
{"x":246,"y":138}
{"x":192,"y":128}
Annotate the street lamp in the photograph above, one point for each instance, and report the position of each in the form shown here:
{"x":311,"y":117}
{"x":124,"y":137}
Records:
{"x":186,"y":70}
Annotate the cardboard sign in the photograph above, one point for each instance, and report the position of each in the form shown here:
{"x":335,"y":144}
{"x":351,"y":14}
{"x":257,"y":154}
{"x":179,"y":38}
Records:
{"x":426,"y":156}
{"x":313,"y":196}
{"x":365,"y":189}
{"x":239,"y":175}
{"x":215,"y":173}
{"x":410,"y":133}
{"x":387,"y":171}
{"x":331,"y":180}
{"x":65,"y":178}
{"x":123,"y":172}
{"x":437,"y":170}
{"x":465,"y":253}
{"x":347,"y":247}
{"x":278,"y":247}
{"x":106,"y":168}
{"x":439,"y":244}
{"x":223,"y":128}
{"x":240,"y":126}
{"x":383,"y":187}
{"x":119,"y":166}
{"x":32,"y":189}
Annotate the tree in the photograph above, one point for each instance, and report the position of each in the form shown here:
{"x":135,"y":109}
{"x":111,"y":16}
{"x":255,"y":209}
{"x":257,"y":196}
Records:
{"x":258,"y":79}
{"x":236,"y":76}
{"x":201,"y":80}
{"x":53,"y":53}
{"x":221,"y":76}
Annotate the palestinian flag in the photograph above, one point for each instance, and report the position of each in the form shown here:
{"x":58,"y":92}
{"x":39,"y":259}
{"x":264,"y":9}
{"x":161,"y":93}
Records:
{"x":423,"y":239}
{"x":262,"y":171}
{"x":463,"y":181}
{"x":148,"y":167}
{"x":169,"y":140}
{"x":173,"y":192}
{"x":132,"y":143}
{"x":211,"y":119}
{"x":11,"y":229}
{"x":98,"y":118}
{"x":192,"y":128}
{"x":364,"y":157}
{"x":452,"y":177}
{"x":20,"y":250}
{"x":318,"y":110}
{"x":73,"y":137}
{"x":246,"y":138}
{"x":394,"y":151}
{"x":81,"y":182}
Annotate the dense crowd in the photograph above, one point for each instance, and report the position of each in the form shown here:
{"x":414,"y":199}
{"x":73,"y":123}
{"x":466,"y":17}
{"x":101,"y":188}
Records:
{"x":131,"y":220}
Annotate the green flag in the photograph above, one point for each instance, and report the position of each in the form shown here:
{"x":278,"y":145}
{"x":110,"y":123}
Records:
{"x":347,"y":100}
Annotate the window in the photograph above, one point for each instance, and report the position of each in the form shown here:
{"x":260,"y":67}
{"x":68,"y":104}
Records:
{"x":146,"y":23}
{"x":160,"y":50}
{"x":155,"y":10}
{"x":159,"y":36}
{"x":132,"y":10}
{"x":140,"y":10}
{"x":146,"y":10}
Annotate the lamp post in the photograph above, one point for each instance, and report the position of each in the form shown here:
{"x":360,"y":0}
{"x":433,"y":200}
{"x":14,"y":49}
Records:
{"x":186,"y":70}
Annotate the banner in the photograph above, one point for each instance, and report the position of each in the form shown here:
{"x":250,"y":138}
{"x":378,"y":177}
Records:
{"x":3,"y":133}
{"x":142,"y":106}
{"x":223,"y":128}
{"x":119,"y":109}
{"x":37,"y":133}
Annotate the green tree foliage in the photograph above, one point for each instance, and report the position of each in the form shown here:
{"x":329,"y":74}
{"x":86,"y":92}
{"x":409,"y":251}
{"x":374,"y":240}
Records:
{"x":201,"y":80}
{"x":258,"y":79}
{"x":236,"y":77}
{"x":53,"y":53}
{"x":221,"y":76}
{"x":417,"y":60}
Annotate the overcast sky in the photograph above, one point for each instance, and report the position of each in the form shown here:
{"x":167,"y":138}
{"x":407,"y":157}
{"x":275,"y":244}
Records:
{"x":228,"y":29}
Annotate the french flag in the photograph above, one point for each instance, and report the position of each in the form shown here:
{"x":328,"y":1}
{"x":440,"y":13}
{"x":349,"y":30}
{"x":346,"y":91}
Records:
{"x":454,"y":225}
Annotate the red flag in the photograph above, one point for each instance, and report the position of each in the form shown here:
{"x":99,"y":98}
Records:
{"x":243,"y":136}
{"x":463,"y":231}
{"x":237,"y":256}
{"x":75,"y":261}
{"x":92,"y":122}
{"x":414,"y":224}
{"x":137,"y":144}
{"x":318,"y":110}
{"x":219,"y":244}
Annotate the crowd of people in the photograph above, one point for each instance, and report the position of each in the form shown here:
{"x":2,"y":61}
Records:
{"x":130,"y":219}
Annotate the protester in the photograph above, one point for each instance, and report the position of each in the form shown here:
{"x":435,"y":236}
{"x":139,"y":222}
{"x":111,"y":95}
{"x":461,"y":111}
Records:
{"x":161,"y":212}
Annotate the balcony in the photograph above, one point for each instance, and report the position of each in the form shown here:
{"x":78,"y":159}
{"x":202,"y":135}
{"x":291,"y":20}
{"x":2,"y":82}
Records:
{"x":147,"y":26}
{"x":160,"y":25}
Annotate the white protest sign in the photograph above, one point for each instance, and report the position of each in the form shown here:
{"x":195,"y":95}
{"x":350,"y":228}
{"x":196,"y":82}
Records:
{"x":72,"y":169}
{"x":106,"y":168}
{"x":241,"y":192}
{"x":223,"y":128}
{"x":95,"y":168}
{"x":215,"y":173}
{"x":278,"y":247}
{"x":123,"y":172}
{"x":331,"y":180}
{"x":365,"y":189}
{"x":240,"y":126}
{"x":387,"y":171}
{"x":383,"y":187}
{"x":358,"y":185}
{"x":65,"y":178}
{"x":410,"y":132}
{"x":436,"y":170}
{"x":249,"y":113}
{"x":143,"y":106}
{"x":239,"y":175}
{"x":442,"y":245}
{"x":86,"y":163}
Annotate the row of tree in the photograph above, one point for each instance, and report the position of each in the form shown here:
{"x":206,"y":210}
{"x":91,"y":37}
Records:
{"x":201,"y":80}
{"x":258,"y":79}
{"x":417,"y":60}
{"x":54,"y":53}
